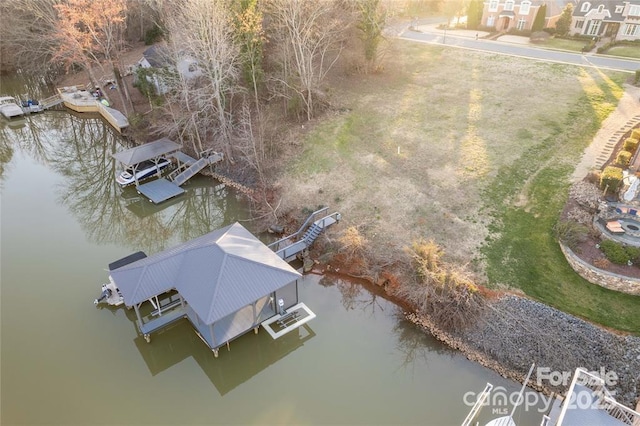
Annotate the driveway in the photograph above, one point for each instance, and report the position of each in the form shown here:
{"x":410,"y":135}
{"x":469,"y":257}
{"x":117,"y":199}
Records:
{"x":511,"y":45}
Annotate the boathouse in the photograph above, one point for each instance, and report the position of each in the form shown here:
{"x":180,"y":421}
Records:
{"x":226,"y":283}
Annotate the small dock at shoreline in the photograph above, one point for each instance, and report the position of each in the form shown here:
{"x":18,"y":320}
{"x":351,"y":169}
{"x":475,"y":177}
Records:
{"x":81,"y":100}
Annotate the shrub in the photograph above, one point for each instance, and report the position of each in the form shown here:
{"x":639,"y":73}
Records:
{"x":635,"y":134}
{"x":602,"y":263}
{"x":606,"y":47}
{"x":611,"y":178}
{"x":593,"y":177}
{"x":152,"y":35}
{"x":623,"y":158}
{"x":441,"y":291}
{"x":589,"y":46}
{"x":618,"y":253}
{"x":637,"y":79}
{"x":630,"y":145}
{"x":570,"y":233}
{"x":353,"y":243}
{"x":633,"y":253}
{"x":614,"y":252}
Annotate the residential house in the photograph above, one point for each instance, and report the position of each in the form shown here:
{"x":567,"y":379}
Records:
{"x":618,"y":19}
{"x":505,"y":15}
{"x":157,"y":56}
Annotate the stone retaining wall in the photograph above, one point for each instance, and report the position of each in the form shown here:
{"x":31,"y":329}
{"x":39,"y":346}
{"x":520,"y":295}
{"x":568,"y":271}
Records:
{"x":601,"y":277}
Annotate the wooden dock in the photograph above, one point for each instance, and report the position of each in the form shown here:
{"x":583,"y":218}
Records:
{"x":81,"y":100}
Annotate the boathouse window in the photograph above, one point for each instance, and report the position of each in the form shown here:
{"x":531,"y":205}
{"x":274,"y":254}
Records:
{"x":585,"y":7}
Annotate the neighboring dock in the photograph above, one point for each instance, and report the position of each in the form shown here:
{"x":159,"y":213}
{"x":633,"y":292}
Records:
{"x":162,"y":189}
{"x":81,"y":100}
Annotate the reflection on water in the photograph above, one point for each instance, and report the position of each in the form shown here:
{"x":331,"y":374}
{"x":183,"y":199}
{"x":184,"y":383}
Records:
{"x":67,"y":362}
{"x":247,"y":357}
{"x":80,"y":150}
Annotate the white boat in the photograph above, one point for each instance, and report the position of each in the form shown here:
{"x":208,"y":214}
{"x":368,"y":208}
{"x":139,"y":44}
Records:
{"x":110,"y":292}
{"x":9,"y":107}
{"x":142,"y":171}
{"x":31,"y":105}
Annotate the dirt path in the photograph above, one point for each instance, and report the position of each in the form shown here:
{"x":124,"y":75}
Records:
{"x":625,"y":116}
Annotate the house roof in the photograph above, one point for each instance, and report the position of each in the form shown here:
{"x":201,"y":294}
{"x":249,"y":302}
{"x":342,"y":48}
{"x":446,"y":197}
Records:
{"x":157,"y":56}
{"x":217,"y":273}
{"x":147,"y":151}
{"x":609,"y":6}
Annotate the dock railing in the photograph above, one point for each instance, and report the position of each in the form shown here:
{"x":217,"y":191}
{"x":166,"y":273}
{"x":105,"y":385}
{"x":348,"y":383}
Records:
{"x":276,"y":245}
{"x":480,"y":401}
{"x":605,"y":400}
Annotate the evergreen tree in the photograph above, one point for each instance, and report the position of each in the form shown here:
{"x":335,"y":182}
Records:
{"x":474,"y":14}
{"x":564,"y":22}
{"x":538,"y":23}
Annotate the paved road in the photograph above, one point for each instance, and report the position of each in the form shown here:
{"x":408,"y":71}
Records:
{"x":590,"y":60}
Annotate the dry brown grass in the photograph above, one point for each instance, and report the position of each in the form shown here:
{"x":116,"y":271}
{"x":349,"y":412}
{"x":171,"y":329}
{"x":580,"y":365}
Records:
{"x":415,"y":145}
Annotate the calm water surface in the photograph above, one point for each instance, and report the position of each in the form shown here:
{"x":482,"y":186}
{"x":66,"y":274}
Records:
{"x":65,"y":361}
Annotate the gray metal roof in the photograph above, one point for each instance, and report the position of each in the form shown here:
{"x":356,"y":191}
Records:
{"x":217,"y":273}
{"x":147,"y":151}
{"x":157,"y":56}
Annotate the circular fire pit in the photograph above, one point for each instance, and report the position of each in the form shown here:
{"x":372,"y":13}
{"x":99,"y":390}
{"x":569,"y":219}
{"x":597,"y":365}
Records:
{"x":630,"y":226}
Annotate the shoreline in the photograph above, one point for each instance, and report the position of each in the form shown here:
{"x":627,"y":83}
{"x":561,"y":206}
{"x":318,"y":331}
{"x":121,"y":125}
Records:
{"x":515,"y":332}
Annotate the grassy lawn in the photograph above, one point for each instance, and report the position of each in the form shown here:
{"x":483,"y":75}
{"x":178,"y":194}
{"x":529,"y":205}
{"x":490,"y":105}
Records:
{"x":625,"y":51}
{"x":472,"y":150}
{"x":563,"y":44}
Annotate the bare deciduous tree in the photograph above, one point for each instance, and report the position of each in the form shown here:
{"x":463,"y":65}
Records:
{"x":90,"y":32}
{"x":201,"y":34}
{"x":27,"y":34}
{"x":309,"y":35}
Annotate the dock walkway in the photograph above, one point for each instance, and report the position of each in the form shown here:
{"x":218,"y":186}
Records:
{"x":289,"y":247}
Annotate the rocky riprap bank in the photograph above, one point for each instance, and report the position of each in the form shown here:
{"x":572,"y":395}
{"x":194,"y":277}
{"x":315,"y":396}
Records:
{"x":516,"y":332}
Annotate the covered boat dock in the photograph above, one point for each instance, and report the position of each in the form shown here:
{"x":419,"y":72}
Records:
{"x":226,"y":283}
{"x":163,"y":189}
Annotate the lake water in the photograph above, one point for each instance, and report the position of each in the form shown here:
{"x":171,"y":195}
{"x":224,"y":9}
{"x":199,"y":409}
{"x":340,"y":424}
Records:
{"x":65,"y":361}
